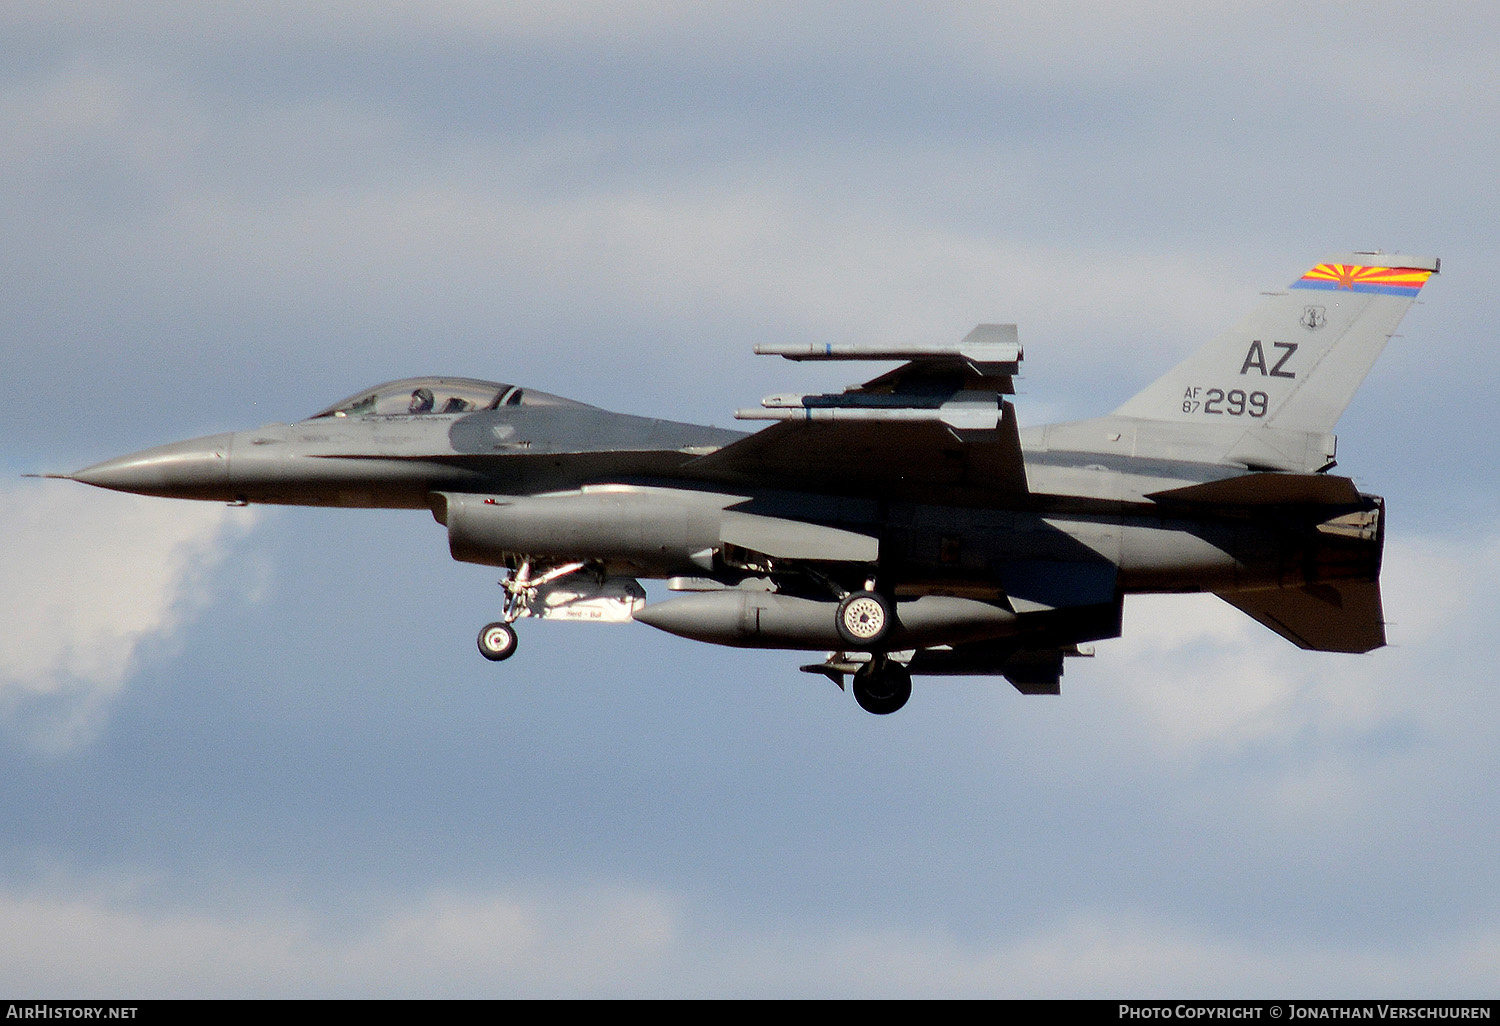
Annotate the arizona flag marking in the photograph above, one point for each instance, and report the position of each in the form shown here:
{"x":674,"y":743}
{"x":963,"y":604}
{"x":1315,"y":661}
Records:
{"x":1389,"y":281}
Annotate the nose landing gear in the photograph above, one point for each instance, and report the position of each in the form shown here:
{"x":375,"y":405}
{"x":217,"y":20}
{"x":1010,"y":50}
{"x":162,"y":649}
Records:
{"x":497,"y":641}
{"x":569,"y":591}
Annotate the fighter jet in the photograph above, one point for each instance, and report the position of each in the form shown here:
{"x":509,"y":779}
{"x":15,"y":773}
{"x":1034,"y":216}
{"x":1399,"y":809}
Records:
{"x":904,"y":526}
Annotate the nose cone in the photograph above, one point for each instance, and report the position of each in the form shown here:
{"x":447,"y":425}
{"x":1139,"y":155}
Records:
{"x":195,"y":469}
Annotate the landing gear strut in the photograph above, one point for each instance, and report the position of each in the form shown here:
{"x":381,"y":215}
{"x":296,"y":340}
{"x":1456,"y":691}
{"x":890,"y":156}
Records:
{"x":497,"y":641}
{"x":881,"y":686}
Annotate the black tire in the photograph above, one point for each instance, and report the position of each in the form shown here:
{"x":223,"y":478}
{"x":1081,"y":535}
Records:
{"x":864,"y":619}
{"x":882,"y":691}
{"x":497,"y":642}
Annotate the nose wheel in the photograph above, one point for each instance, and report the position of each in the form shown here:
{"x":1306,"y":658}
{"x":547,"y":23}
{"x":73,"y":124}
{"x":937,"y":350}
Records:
{"x":497,"y":642}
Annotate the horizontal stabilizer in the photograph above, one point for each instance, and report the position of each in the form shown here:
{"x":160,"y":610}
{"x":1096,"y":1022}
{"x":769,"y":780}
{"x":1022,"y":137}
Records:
{"x":1268,"y":489}
{"x":1344,"y":616}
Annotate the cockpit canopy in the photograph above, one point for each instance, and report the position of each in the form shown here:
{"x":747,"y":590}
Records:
{"x":416,"y":397}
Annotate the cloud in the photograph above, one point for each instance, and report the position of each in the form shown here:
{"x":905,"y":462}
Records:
{"x":603,"y":941}
{"x":1306,"y":744}
{"x":339,"y":217}
{"x":1210,"y":678}
{"x":90,"y":580}
{"x":381,"y":21}
{"x":584,"y":941}
{"x":303,"y":198}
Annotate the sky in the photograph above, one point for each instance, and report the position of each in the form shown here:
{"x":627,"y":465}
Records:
{"x":253,"y":752}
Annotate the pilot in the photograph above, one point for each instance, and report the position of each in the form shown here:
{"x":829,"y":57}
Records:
{"x":421,"y":401}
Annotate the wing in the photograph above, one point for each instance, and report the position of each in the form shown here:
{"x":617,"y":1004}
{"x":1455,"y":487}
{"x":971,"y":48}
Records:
{"x":936,"y":428}
{"x":900,"y":461}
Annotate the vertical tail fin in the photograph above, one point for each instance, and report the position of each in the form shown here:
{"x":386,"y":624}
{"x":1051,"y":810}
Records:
{"x":1295,"y":362}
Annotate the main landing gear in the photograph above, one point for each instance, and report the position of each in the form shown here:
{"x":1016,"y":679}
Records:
{"x":881,"y":686}
{"x":863,"y":618}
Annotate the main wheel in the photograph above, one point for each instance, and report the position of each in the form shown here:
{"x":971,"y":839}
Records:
{"x":497,"y":642}
{"x":863,"y":619}
{"x":882,"y":691}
